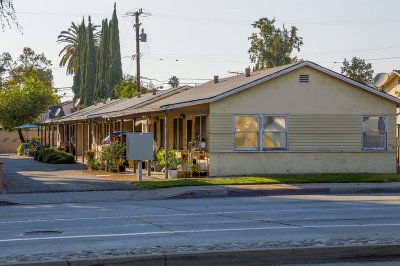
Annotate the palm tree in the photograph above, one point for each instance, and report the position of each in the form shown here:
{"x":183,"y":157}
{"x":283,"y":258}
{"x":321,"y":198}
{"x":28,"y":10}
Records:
{"x":72,"y":38}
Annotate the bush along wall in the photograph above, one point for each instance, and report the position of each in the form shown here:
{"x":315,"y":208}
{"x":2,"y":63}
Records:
{"x":53,"y":156}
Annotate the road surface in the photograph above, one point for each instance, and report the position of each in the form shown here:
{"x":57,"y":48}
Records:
{"x":40,"y":232}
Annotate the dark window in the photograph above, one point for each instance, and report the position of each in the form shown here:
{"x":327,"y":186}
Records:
{"x":200,"y":128}
{"x":162,"y":133}
{"x":177,"y":131}
{"x":189,"y":136}
{"x":155,"y":132}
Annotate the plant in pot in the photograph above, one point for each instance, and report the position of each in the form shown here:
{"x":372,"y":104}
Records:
{"x":173,"y":163}
{"x":202,"y":155}
{"x":202,"y":142}
{"x":195,"y":170}
{"x":184,"y":158}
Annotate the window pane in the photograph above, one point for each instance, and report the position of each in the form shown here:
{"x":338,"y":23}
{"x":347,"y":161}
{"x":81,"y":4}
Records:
{"x":274,"y":123}
{"x":246,"y":140}
{"x":274,"y":140}
{"x":374,"y":132}
{"x":246,"y":123}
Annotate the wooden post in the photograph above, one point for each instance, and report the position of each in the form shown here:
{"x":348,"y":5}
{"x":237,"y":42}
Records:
{"x":52,"y":136}
{"x":69,"y":138}
{"x":49,"y":136}
{"x":76,"y":142}
{"x":122,"y":131}
{"x":45,"y":136}
{"x":149,"y":161}
{"x":83,"y":141}
{"x":65,"y":137}
{"x":166,"y":145}
{"x":90,"y":135}
{"x":133,"y":130}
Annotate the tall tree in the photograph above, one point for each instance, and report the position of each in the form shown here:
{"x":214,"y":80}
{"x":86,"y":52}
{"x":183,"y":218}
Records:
{"x":102,"y":61}
{"x":90,"y":66}
{"x":114,"y":74}
{"x":173,"y":82}
{"x":126,"y":88}
{"x":8,"y":16}
{"x":272,"y":46}
{"x":72,"y":39}
{"x":82,"y":61}
{"x":358,"y":70}
{"x":27,"y":91}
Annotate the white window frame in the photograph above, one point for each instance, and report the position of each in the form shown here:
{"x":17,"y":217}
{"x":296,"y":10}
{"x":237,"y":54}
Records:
{"x":386,"y":133}
{"x":260,"y":132}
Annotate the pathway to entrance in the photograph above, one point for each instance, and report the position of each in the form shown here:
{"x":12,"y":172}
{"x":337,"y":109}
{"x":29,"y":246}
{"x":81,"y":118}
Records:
{"x":24,"y":175}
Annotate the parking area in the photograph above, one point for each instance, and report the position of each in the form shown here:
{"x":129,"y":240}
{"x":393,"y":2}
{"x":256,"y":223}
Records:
{"x":24,"y":175}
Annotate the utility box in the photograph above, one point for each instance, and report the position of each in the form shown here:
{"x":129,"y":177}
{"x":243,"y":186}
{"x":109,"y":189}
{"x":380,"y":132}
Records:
{"x":139,"y":146}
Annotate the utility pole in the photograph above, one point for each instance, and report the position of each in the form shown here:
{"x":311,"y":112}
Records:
{"x":137,"y":26}
{"x":140,"y":37}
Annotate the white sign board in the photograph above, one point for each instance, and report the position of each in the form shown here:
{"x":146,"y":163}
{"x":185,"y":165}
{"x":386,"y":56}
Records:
{"x":139,"y":146}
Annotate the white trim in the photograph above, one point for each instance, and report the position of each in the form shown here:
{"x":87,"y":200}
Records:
{"x":279,"y":73}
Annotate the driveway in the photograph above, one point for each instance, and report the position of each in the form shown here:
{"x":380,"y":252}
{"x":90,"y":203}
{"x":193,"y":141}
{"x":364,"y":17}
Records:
{"x":24,"y":175}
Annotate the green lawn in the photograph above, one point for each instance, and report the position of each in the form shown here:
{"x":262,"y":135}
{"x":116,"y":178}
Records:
{"x":273,"y":179}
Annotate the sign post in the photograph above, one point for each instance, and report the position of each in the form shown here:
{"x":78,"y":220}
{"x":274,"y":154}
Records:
{"x":139,"y":147}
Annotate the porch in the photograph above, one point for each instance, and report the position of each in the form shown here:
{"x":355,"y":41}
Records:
{"x":184,"y":131}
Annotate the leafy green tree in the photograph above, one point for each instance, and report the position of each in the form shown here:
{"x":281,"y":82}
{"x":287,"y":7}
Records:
{"x":8,"y":15}
{"x":126,"y":88}
{"x":27,"y":91}
{"x":102,"y":61}
{"x":90,"y":66}
{"x":72,"y":39}
{"x":358,"y":70}
{"x":173,"y":82}
{"x":272,"y":46}
{"x":114,"y":74}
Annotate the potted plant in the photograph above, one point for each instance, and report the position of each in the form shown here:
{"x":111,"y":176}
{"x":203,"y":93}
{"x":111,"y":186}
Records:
{"x":173,"y":163}
{"x":184,"y":158}
{"x":202,"y":143}
{"x":195,"y":170}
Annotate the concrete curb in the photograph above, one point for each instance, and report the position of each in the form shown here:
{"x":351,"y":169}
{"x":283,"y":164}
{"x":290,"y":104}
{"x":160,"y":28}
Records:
{"x":273,"y":256}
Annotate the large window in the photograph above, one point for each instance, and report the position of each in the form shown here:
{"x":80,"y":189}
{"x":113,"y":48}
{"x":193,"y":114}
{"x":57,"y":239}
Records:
{"x":200,"y":126}
{"x":374,"y":132}
{"x":260,"y":132}
{"x":246,"y":132}
{"x":274,"y":132}
{"x":178,"y":133}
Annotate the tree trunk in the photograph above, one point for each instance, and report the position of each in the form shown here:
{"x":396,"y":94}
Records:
{"x":21,"y":136}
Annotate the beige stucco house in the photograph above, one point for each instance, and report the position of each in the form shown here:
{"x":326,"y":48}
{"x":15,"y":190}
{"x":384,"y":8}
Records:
{"x":299,"y":118}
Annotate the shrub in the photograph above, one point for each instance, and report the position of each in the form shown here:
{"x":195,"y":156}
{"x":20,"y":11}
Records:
{"x":172,"y":159}
{"x":53,"y":156}
{"x":113,"y":156}
{"x":91,"y":162}
{"x":35,"y":139}
{"x":20,"y":149}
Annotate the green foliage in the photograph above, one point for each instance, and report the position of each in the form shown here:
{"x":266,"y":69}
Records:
{"x":173,"y":82}
{"x":272,"y":179}
{"x":27,"y":92}
{"x":90,"y":67}
{"x":53,"y":156}
{"x":272,"y":46}
{"x":358,"y":70}
{"x":126,"y":88}
{"x":102,"y":62}
{"x":20,"y":149}
{"x":173,"y":160}
{"x":113,"y":156}
{"x":114,"y":74}
{"x":34,"y":139}
{"x":91,"y":162}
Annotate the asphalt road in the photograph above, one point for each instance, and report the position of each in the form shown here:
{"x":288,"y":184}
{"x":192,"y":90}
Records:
{"x":35,"y":232}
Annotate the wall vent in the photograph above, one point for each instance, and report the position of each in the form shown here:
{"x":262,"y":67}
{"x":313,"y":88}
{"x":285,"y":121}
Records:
{"x":304,"y":78}
{"x":398,"y":80}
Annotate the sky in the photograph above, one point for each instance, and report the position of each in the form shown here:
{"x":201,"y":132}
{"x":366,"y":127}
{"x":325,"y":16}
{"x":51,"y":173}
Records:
{"x":195,"y":40}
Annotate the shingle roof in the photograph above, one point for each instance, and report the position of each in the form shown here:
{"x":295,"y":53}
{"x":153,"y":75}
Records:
{"x":210,"y":91}
{"x":118,"y":105}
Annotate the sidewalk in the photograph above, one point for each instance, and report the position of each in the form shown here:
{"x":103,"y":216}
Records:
{"x":193,"y":192}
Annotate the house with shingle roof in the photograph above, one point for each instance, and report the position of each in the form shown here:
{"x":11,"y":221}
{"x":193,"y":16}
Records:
{"x":297,"y":118}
